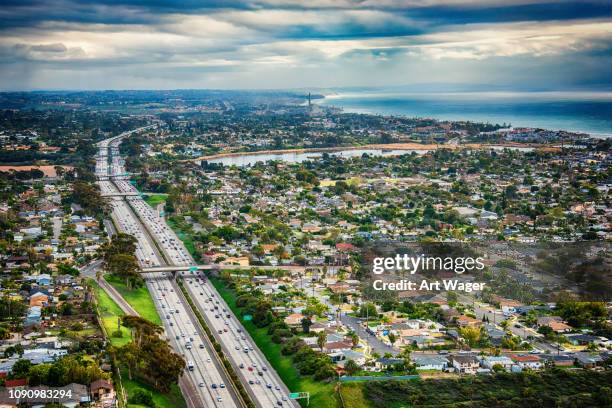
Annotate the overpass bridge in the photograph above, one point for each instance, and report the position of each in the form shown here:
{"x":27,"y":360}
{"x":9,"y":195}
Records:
{"x":219,"y":267}
{"x":120,"y":194}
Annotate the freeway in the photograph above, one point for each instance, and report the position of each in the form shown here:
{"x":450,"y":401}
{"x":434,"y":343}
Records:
{"x":216,"y":267}
{"x":260,"y":380}
{"x":181,"y":327}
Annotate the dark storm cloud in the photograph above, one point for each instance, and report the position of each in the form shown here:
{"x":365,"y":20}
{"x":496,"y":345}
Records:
{"x":286,"y":42}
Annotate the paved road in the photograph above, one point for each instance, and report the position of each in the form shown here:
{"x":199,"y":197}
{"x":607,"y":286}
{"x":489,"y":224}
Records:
{"x":57,"y":227}
{"x":154,"y":235}
{"x":353,"y":323}
{"x":204,"y":384}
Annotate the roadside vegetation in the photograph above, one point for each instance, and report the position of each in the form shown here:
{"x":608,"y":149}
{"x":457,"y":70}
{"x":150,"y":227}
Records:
{"x":139,"y":298}
{"x":321,"y":390}
{"x":552,"y":388}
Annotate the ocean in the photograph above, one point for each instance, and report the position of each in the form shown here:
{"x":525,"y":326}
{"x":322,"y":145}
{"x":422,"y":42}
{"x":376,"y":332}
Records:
{"x":588,"y":112}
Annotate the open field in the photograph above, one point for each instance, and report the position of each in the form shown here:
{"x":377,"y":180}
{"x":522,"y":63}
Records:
{"x":154,"y":199}
{"x":322,"y":395}
{"x":139,"y":299}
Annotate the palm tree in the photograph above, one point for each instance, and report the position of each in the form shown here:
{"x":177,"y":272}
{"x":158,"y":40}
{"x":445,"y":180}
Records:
{"x":321,"y":339}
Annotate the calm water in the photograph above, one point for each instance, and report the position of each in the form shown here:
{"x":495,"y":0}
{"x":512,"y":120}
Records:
{"x":249,"y":160}
{"x":253,"y":158}
{"x":580,"y":112}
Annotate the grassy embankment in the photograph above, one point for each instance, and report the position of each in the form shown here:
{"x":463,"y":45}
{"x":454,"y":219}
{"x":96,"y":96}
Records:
{"x":154,"y":199}
{"x":110,"y":312}
{"x":139,"y":299}
{"x":322,"y":395}
{"x":577,"y":388}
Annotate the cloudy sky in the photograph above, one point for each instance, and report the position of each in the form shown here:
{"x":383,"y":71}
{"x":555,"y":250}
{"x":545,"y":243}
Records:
{"x":445,"y":44}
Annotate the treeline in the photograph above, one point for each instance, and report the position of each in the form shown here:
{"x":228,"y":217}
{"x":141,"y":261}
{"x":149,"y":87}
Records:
{"x":554,"y":388}
{"x":119,"y":259}
{"x":148,"y":357}
{"x":66,"y":370}
{"x":88,"y":196}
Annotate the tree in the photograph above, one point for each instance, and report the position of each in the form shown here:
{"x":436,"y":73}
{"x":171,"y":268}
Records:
{"x":351,"y":367}
{"x":21,"y":368}
{"x":354,"y":339}
{"x":392,"y":338}
{"x":306,"y":323}
{"x":148,"y":356}
{"x":321,"y":339}
{"x":141,"y":397}
{"x":368,"y":310}
{"x":471,"y":335}
{"x":126,"y":267}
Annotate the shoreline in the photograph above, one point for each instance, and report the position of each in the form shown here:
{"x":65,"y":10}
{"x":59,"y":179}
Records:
{"x":391,"y":146}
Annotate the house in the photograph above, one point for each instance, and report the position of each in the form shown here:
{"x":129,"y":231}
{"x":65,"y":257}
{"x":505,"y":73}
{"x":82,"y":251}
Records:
{"x":33,"y":317}
{"x":39,"y":299}
{"x":101,"y":388}
{"x":335,"y":346}
{"x":561,"y":360}
{"x":430,"y":362}
{"x":465,"y":364}
{"x":19,"y":383}
{"x":342,"y":357}
{"x":294,"y":320}
{"x":467,"y":321}
{"x":388,"y":363}
{"x":490,"y":361}
{"x":75,"y":395}
{"x":530,"y":361}
{"x":588,"y":360}
{"x":496,"y":335}
{"x":509,"y":306}
{"x":582,"y":339}
{"x":554,"y":322}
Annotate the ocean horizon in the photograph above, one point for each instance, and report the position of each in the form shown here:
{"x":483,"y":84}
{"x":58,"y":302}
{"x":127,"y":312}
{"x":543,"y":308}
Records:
{"x":586,"y":112}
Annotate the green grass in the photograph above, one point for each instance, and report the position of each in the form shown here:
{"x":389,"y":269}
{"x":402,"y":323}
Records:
{"x":139,"y":299}
{"x":352,"y":395}
{"x":322,"y":394}
{"x":173,"y":399}
{"x":154,"y":199}
{"x":110,"y":312}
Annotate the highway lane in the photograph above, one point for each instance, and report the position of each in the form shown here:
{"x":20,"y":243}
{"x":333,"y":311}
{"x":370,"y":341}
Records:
{"x":249,"y":363}
{"x":181,"y":328}
{"x":266,"y":389}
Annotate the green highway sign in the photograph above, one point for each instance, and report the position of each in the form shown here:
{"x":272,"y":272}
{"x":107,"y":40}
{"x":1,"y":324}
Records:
{"x":300,"y":395}
{"x":247,"y":318}
{"x":193,"y":269}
